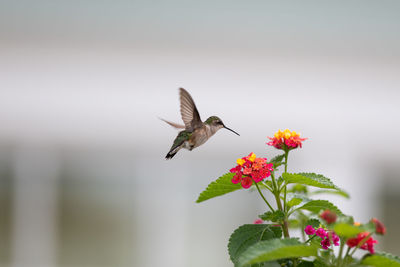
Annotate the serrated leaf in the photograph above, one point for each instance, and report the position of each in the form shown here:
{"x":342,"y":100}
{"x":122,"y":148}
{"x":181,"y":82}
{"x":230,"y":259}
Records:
{"x":339,"y":192}
{"x":347,"y":230}
{"x":294,"y":202}
{"x":249,"y":234}
{"x":276,"y":216}
{"x":381,"y":259}
{"x":311,"y":179}
{"x":313,"y":222}
{"x":316,"y":206}
{"x":219,"y":187}
{"x":277,"y":160}
{"x":275,"y":249}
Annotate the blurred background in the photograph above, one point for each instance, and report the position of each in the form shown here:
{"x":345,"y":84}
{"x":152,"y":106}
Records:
{"x":83,"y":179}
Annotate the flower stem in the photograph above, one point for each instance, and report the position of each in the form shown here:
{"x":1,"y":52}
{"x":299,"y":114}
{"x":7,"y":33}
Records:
{"x":261,"y":194}
{"x":285,"y":209}
{"x":339,"y":262}
{"x":311,"y":238}
{"x":276,"y":193}
{"x":285,"y":185}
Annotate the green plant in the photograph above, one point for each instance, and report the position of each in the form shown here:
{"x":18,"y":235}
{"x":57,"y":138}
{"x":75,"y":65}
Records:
{"x":267,"y":241}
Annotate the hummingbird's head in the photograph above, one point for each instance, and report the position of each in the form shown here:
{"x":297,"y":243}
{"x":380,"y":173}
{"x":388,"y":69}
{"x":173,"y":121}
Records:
{"x":217,"y":124}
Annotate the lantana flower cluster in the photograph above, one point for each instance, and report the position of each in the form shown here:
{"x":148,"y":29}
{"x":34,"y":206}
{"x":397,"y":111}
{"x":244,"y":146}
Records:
{"x":286,"y":140}
{"x":364,"y":241}
{"x":251,"y":169}
{"x":328,"y":237}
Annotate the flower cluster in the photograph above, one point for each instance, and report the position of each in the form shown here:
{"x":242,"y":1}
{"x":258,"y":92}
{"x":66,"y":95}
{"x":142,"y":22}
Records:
{"x":327,"y":237}
{"x":251,"y":169}
{"x":258,"y":221}
{"x":286,"y":140}
{"x":328,"y":216}
{"x":364,"y":241}
{"x":379,"y":226}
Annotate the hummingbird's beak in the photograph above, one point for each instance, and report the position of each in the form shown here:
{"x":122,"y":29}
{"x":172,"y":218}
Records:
{"x":231,"y":130}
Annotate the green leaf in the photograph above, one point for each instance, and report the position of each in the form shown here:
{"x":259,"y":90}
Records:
{"x":335,"y":192}
{"x":276,"y":216}
{"x":316,"y":206}
{"x":277,"y":160}
{"x":249,"y":234}
{"x":275,"y":249}
{"x":221,"y":186}
{"x":347,"y":230}
{"x":311,"y":179}
{"x":382,"y":259}
{"x":298,"y":188}
{"x":294,"y":202}
{"x":313,"y":222}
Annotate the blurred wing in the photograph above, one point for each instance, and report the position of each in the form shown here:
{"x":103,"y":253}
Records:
{"x":173,"y":124}
{"x":190,"y":115}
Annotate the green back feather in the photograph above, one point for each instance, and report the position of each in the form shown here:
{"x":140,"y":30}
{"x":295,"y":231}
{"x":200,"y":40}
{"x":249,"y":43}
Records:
{"x":182,"y":137}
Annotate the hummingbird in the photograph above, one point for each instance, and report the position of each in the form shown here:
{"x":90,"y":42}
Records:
{"x":195,"y":131}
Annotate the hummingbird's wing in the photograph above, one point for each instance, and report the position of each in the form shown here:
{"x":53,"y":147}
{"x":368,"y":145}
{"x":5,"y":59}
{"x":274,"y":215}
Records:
{"x":190,"y":115}
{"x":173,"y":124}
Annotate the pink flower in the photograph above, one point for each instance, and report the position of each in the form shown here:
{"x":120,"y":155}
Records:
{"x":286,"y":140}
{"x":309,"y":230}
{"x":237,"y":177}
{"x":247,"y":171}
{"x":246,"y":182}
{"x":328,"y":216}
{"x":325,"y":243}
{"x":251,"y":169}
{"x":321,"y":232}
{"x":258,"y":221}
{"x":335,"y":239}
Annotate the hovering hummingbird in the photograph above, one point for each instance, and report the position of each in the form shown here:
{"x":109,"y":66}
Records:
{"x":196,"y":132}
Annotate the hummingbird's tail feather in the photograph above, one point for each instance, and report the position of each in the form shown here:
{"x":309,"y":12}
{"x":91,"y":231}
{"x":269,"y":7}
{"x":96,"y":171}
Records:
{"x":170,"y":155}
{"x":172,"y":152}
{"x":173,"y":124}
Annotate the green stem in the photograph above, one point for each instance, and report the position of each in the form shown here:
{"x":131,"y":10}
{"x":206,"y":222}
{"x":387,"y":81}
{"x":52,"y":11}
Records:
{"x":347,"y":254}
{"x":339,"y":262}
{"x":261,"y":194}
{"x":276,"y":193}
{"x":285,"y":185}
{"x":285,"y":220}
{"x":286,"y":159}
{"x":311,"y":238}
{"x":267,"y":187}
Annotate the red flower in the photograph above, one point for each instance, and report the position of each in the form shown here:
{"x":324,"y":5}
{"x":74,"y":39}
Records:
{"x":286,"y":140}
{"x":368,"y":242}
{"x":379,"y":226}
{"x":328,"y":216}
{"x":325,"y":243}
{"x":258,"y":221}
{"x":326,"y":237}
{"x":309,"y":230}
{"x":251,"y":168}
{"x":321,"y":232}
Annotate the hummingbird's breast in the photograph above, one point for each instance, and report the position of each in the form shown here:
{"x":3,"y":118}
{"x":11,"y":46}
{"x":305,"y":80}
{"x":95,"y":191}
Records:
{"x":201,"y":135}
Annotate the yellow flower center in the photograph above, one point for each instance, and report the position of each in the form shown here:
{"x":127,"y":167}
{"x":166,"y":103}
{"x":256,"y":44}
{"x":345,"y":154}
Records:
{"x":252,"y":157}
{"x":240,"y":161}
